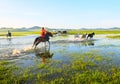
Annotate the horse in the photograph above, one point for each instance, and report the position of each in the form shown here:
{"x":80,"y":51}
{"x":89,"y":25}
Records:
{"x":8,"y":34}
{"x":76,"y":36}
{"x":90,"y":35}
{"x":40,"y":39}
{"x":83,"y":37}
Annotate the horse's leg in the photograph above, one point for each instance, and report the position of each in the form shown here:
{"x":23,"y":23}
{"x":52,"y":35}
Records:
{"x":44,"y":44}
{"x":49,"y":44}
{"x":91,"y":37}
{"x":10,"y":35}
{"x":36,"y":43}
{"x":87,"y":37}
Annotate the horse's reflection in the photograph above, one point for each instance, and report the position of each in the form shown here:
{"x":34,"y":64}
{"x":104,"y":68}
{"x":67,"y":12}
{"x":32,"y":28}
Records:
{"x":9,"y":41}
{"x":88,"y":43}
{"x":91,"y":43}
{"x":43,"y":54}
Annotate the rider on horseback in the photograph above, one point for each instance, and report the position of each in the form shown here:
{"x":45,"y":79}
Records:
{"x":44,"y":37}
{"x":8,"y":34}
{"x":43,"y":32}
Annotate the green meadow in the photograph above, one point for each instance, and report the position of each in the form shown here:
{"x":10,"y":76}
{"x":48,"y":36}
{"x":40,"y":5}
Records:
{"x":96,"y":31}
{"x":70,"y":32}
{"x":85,"y":68}
{"x":22,"y":33}
{"x":114,"y":37}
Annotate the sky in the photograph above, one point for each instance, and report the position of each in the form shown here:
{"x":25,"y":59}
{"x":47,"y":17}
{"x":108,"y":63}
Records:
{"x":60,"y":13}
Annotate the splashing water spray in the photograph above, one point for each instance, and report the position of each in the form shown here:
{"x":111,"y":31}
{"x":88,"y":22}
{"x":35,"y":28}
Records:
{"x":15,"y":51}
{"x":27,"y":48}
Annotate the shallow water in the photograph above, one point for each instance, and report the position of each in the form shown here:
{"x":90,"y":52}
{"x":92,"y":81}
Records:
{"x":19,"y":49}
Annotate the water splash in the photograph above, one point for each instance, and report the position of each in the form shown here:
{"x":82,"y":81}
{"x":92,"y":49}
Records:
{"x":15,"y":52}
{"x":28,"y":48}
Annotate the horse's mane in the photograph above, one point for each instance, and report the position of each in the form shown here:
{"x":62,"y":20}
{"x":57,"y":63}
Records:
{"x":49,"y":33}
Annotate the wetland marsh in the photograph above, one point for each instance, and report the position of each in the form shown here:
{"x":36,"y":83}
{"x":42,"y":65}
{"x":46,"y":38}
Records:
{"x":74,"y":62}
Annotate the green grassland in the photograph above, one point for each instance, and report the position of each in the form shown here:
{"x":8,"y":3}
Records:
{"x":20,"y":33}
{"x":96,"y":31}
{"x":114,"y":37}
{"x":23,"y":33}
{"x":86,"y":68}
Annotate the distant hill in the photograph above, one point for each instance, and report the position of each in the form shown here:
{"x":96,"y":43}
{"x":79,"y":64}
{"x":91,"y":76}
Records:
{"x":34,"y":28}
{"x":37,"y":28}
{"x":114,"y":28}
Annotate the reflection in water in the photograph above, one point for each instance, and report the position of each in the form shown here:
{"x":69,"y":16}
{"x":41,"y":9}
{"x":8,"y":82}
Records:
{"x":61,"y":48}
{"x":43,"y":54}
{"x":87,"y":43}
{"x":9,"y":41}
{"x":91,"y":43}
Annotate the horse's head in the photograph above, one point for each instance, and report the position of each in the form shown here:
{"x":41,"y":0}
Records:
{"x":49,"y":34}
{"x":93,"y":33}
